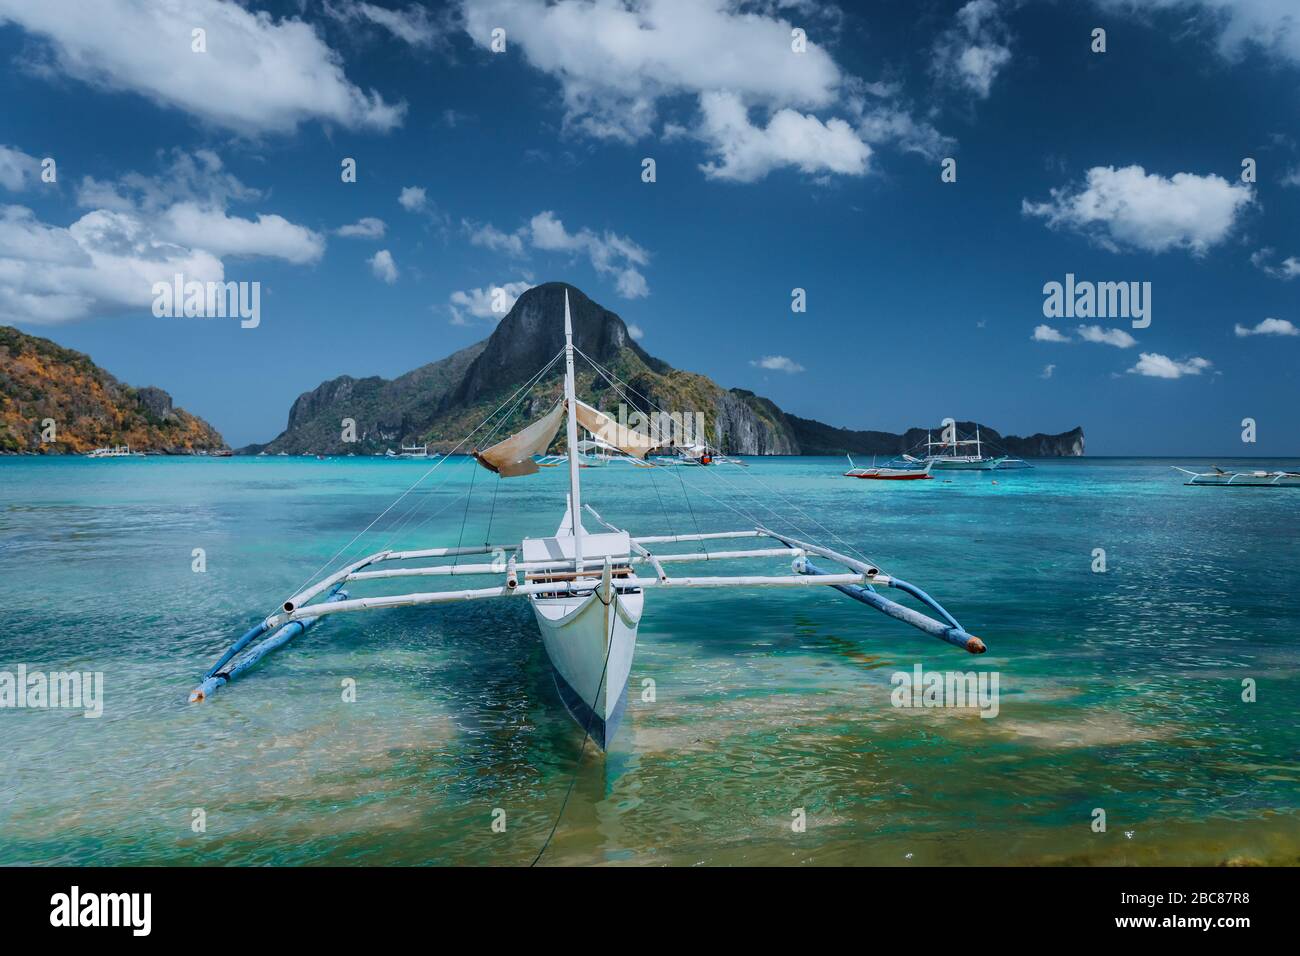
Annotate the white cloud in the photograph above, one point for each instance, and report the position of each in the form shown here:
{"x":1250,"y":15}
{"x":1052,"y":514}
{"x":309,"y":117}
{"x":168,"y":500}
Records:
{"x":18,"y":171}
{"x":493,"y":238}
{"x":1116,"y":337}
{"x":197,"y":177}
{"x":1267,"y":327}
{"x":777,"y":363}
{"x":383,"y":266}
{"x":367,"y":227}
{"x":1154,"y":365}
{"x":975,"y":50}
{"x":186,"y":204}
{"x":1045,"y":333}
{"x":621,"y":65}
{"x":258,"y":75}
{"x":636,"y":332}
{"x":104,"y":262}
{"x":491,"y":302}
{"x":1285,"y":270}
{"x":615,"y":63}
{"x":414,"y":24}
{"x":1129,"y":207}
{"x":224,"y":235}
{"x":747,"y":153}
{"x":1047,"y":371}
{"x":1241,"y":25}
{"x":138,"y":230}
{"x":609,"y":254}
{"x":1291,"y":177}
{"x":413,"y":198}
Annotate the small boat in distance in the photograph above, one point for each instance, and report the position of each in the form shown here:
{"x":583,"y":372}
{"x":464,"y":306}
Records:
{"x":118,"y":451}
{"x":949,"y":458}
{"x":886,"y":473}
{"x":415,"y":451}
{"x":1242,"y":479}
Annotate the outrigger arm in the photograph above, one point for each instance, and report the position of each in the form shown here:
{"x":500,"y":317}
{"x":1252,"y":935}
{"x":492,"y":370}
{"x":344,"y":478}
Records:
{"x":857,"y":580}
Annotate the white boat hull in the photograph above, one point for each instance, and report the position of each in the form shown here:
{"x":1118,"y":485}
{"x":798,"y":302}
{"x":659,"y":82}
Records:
{"x":966,"y":464}
{"x":591,"y":646}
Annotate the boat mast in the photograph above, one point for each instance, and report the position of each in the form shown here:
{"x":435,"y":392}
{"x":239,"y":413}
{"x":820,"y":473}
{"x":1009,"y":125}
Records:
{"x":570,"y":400}
{"x":978,"y":452}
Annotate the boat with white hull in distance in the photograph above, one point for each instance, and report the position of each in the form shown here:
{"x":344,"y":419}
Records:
{"x":1242,"y":479}
{"x":949,"y":456}
{"x":587,"y":587}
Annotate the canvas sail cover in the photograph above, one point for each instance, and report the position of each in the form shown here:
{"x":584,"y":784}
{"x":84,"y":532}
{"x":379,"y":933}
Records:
{"x":513,"y":456}
{"x":605,"y":429}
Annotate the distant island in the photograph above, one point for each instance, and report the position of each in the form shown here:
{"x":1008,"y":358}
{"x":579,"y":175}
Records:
{"x":41,"y":381}
{"x":436,"y":404}
{"x":441,"y":402}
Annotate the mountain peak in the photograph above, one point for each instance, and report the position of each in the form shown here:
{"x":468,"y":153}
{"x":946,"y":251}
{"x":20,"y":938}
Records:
{"x":532,"y":332}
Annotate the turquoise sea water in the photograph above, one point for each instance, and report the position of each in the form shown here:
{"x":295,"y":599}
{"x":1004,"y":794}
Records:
{"x":1120,"y":691}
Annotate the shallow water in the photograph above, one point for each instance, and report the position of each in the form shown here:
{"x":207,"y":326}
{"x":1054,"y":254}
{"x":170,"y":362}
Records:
{"x":1120,"y":690}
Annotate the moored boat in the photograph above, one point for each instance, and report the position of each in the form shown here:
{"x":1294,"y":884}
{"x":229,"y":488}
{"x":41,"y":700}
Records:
{"x":886,"y":473}
{"x":586,"y":587}
{"x":1242,"y":479}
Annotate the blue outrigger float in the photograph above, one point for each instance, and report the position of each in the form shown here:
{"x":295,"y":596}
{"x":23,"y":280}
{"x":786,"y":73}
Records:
{"x":587,"y":589}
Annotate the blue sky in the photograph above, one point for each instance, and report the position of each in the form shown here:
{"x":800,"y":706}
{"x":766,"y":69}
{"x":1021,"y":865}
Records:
{"x":775,"y":170}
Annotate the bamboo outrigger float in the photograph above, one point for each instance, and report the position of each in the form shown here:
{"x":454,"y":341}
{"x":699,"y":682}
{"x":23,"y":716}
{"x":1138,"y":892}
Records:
{"x":587,"y":589}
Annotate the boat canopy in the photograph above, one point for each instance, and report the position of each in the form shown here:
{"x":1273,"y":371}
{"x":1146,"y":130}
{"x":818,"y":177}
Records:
{"x":513,"y":456}
{"x":605,"y":429}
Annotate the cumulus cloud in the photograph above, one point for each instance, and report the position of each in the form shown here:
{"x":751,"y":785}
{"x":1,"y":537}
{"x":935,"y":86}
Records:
{"x":1047,"y":371}
{"x":777,"y":363}
{"x":198,"y":177}
{"x":609,"y":253}
{"x":18,"y":171}
{"x":383,"y":266}
{"x":621,"y":66}
{"x":636,"y":332}
{"x":490,"y":237}
{"x":1116,"y":337}
{"x":747,"y":153}
{"x":1129,"y":207}
{"x":367,"y":227}
{"x":1154,"y":365}
{"x":224,"y":235}
{"x":1266,"y":327}
{"x":1285,"y":270}
{"x":104,"y":262}
{"x":973,"y":51}
{"x":491,"y":302}
{"x":139,"y":230}
{"x":413,"y":198}
{"x":259,"y":74}
{"x":1045,"y":333}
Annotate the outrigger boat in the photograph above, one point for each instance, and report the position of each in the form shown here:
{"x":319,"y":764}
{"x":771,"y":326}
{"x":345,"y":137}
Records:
{"x":116,"y":451}
{"x":886,"y":473}
{"x":587,"y":587}
{"x":1242,"y":479}
{"x":949,"y":458}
